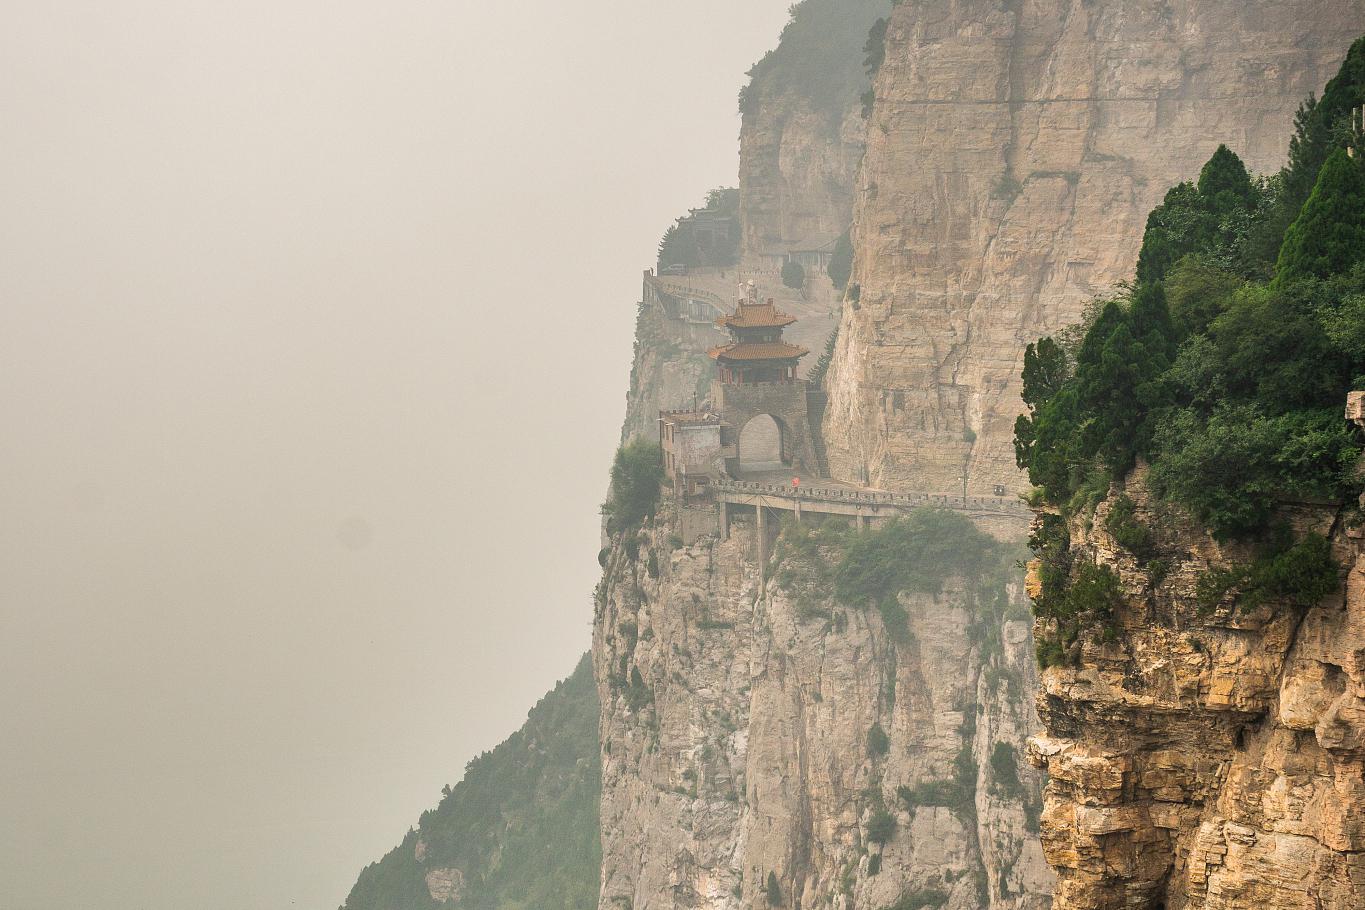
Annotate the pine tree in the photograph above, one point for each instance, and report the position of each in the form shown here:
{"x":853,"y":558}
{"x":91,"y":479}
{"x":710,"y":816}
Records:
{"x":1175,"y":229}
{"x":1045,"y":371}
{"x":1319,"y":125}
{"x":1329,"y":236}
{"x":840,"y":267}
{"x":1150,"y":318}
{"x":1224,"y":182}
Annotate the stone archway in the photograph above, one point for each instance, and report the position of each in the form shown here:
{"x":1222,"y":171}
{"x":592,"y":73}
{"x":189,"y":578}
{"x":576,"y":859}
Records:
{"x":760,"y":444}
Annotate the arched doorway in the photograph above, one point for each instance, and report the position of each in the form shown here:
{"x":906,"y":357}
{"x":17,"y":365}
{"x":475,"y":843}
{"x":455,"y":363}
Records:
{"x":760,"y":444}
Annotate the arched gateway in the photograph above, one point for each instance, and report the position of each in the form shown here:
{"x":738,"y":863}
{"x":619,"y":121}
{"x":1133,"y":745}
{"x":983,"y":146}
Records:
{"x":760,"y":444}
{"x":762,"y":404}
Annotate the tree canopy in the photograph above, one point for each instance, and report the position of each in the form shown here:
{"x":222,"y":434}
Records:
{"x":1226,"y":374}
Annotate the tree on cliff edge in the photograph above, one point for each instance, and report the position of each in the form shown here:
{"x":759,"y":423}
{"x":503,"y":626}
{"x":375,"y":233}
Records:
{"x":1329,"y":236}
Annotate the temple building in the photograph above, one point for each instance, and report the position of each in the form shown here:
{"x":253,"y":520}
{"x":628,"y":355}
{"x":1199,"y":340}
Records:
{"x":763,"y":405}
{"x":758,"y":425}
{"x":756,"y":352}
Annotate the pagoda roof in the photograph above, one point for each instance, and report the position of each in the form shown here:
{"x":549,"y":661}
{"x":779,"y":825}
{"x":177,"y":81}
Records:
{"x":775,"y":350}
{"x":756,"y":316}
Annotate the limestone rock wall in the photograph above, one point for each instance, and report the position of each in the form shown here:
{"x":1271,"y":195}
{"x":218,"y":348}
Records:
{"x":803,"y":132}
{"x":670,"y":368}
{"x":735,"y":725}
{"x":1013,"y":153}
{"x":1209,"y":761}
{"x":796,"y":175}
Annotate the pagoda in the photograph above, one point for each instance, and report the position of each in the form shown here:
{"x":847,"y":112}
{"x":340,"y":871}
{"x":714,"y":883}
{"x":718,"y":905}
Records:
{"x":764,"y":409}
{"x":756,"y":352}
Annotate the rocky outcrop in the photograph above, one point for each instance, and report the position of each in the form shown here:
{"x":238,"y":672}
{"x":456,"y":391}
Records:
{"x":737,"y":738}
{"x":1013,"y":154}
{"x":797,"y":168}
{"x":445,"y":886}
{"x":670,"y":369}
{"x":803,"y":130}
{"x":1208,"y":758}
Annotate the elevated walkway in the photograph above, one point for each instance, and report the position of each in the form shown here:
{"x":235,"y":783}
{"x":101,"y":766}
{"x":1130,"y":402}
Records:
{"x":832,"y":498}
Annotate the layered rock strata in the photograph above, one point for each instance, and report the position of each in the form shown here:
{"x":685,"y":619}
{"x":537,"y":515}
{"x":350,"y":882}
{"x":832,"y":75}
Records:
{"x":1209,"y":759}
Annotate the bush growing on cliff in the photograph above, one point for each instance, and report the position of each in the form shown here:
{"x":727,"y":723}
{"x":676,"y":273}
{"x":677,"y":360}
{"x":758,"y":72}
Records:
{"x":878,"y":743}
{"x":637,"y":474}
{"x":1127,"y":531}
{"x":919,"y":900}
{"x":774,"y":890}
{"x":1005,"y":771}
{"x":881,"y":825}
{"x":840,"y":267}
{"x":1300,"y":574}
{"x":915,"y":554}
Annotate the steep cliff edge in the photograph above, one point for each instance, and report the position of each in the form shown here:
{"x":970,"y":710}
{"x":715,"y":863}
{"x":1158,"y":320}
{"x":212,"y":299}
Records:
{"x":803,"y":131}
{"x":1199,"y":583}
{"x":766,"y":744}
{"x":1013,"y":153}
{"x":1209,"y":757}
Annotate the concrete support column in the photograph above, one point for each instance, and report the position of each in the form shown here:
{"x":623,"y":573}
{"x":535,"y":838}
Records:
{"x":863,"y":522}
{"x":762,"y":526}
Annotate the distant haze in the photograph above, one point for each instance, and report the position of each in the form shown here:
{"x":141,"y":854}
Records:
{"x":315,"y":327}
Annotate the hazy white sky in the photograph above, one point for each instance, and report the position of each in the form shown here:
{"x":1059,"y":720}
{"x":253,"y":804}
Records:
{"x":315,"y":326}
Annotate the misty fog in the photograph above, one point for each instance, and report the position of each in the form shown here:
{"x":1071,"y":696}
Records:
{"x":315,"y":326}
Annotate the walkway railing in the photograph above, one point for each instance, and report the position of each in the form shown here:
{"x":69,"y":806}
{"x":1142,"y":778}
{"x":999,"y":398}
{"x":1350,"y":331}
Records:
{"x":872,"y":498}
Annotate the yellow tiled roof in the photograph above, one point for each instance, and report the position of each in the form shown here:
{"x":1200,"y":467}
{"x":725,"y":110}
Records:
{"x":756,"y":316}
{"x":777,"y":350}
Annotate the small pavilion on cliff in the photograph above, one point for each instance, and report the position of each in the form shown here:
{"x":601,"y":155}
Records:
{"x":756,"y":352}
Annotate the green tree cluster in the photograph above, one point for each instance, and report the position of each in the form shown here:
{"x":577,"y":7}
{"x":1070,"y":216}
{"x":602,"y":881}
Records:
{"x":1231,"y":387}
{"x":1225,"y":366}
{"x":522,"y":826}
{"x":840,"y":268}
{"x":817,"y":58}
{"x":637,"y":474}
{"x":680,"y":247}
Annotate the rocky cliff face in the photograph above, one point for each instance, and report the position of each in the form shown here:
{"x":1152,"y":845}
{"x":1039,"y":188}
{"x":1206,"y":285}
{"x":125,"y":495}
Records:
{"x":737,"y":720}
{"x":737,"y":707}
{"x":1209,"y":758}
{"x":802,"y":137}
{"x":1013,"y":153}
{"x":797,"y":167}
{"x":670,"y":368}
